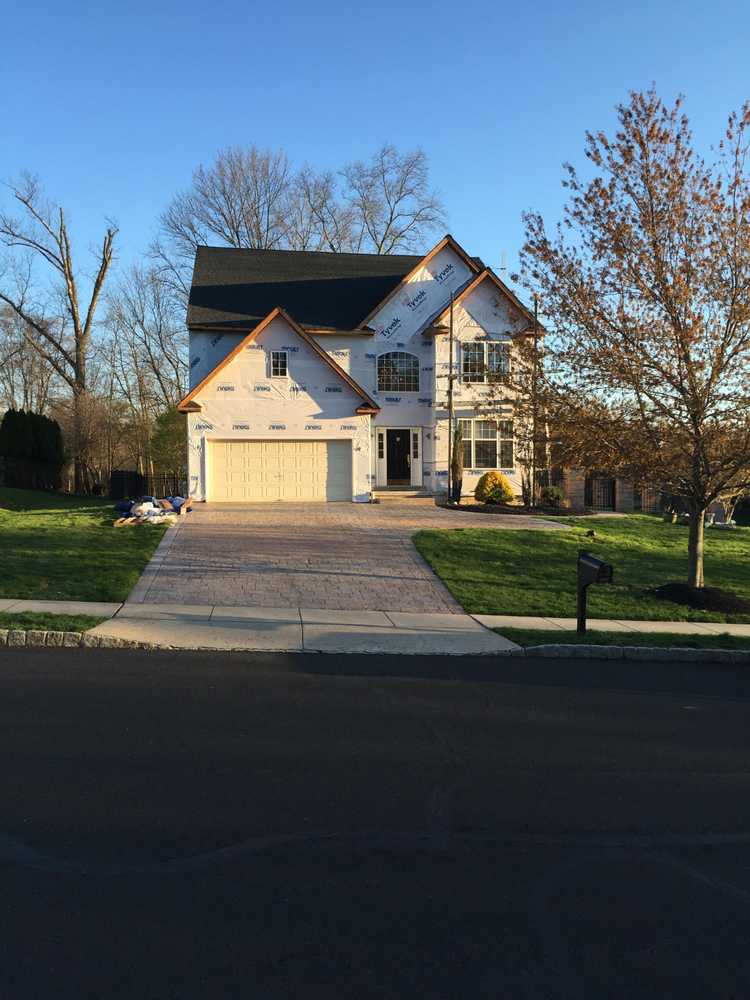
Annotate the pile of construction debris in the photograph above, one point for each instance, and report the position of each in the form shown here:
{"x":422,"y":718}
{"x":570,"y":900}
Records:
{"x":151,"y":510}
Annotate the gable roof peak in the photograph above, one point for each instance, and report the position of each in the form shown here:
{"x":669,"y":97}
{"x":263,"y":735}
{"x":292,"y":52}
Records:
{"x":188,"y":403}
{"x":473,"y":263}
{"x":488,"y":274}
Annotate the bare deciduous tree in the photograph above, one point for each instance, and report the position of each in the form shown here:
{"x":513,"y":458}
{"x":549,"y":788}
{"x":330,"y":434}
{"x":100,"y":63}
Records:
{"x":145,"y":356}
{"x":58,"y":328}
{"x":26,"y":380}
{"x":250,"y":198}
{"x":239,"y":200}
{"x":391,"y":201}
{"x":149,"y":326}
{"x":316,"y":217}
{"x":647,"y":287}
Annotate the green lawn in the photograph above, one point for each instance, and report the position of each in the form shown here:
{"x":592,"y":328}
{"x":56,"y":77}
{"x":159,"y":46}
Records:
{"x":500,"y":571}
{"x":57,"y":547}
{"x":530,"y":637}
{"x":51,"y":623}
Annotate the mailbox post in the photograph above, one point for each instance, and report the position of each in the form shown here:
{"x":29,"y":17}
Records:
{"x":590,"y":570}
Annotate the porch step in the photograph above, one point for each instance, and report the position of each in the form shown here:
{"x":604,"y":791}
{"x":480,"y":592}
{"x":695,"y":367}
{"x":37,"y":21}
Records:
{"x":397,"y":494}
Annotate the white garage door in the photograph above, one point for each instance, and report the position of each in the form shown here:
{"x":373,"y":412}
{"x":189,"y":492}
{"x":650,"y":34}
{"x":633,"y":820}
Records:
{"x":280,"y":470}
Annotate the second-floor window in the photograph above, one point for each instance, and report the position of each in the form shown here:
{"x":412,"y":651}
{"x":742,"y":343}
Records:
{"x":398,"y":372}
{"x":279,"y":364}
{"x":485,"y":361}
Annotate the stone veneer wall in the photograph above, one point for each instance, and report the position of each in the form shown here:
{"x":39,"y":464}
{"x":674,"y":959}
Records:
{"x":574,"y":487}
{"x":623,"y":496}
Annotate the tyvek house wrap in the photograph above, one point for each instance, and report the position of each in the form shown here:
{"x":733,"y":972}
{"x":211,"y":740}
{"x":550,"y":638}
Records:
{"x":258,"y":407}
{"x":485,"y":313}
{"x":399,"y":325}
{"x":243,"y":402}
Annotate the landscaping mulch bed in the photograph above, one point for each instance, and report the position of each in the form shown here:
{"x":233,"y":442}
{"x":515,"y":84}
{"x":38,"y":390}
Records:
{"x":703,"y":598}
{"x":496,"y":508}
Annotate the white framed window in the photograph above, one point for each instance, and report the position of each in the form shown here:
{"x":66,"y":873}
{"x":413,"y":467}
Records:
{"x":488,"y":444}
{"x":398,"y":372}
{"x":485,"y":361}
{"x":279,"y":367}
{"x":472,"y":363}
{"x":498,"y":360}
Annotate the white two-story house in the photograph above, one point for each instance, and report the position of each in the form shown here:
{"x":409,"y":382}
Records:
{"x":324,"y":376}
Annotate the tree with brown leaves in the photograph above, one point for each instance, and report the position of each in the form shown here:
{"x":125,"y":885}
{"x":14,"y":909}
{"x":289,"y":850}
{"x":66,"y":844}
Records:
{"x":646,"y":285}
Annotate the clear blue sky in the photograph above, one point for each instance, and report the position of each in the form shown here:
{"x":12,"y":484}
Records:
{"x":115,"y":104}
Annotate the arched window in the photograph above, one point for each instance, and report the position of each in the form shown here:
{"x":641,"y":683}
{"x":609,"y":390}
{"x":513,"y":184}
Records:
{"x":398,"y":372}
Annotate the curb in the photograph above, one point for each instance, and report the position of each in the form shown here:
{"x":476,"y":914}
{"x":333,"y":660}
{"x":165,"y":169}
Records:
{"x":38,"y":638}
{"x":15,"y":638}
{"x":569,"y":651}
{"x":18,"y":638}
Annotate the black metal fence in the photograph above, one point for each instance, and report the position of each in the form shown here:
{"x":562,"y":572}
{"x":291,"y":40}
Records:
{"x":127,"y":484}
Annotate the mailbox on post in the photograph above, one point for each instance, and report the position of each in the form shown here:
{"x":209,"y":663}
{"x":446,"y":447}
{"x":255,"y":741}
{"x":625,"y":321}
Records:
{"x":590,"y":570}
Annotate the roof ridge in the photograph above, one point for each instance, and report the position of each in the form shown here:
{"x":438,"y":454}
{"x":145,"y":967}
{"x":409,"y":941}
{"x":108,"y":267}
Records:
{"x":321,"y":253}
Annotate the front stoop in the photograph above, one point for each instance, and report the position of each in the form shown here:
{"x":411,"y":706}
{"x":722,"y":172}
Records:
{"x":397,"y":494}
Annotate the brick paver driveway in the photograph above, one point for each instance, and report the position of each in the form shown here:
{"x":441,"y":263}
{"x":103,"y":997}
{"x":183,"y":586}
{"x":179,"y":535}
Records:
{"x":340,"y":556}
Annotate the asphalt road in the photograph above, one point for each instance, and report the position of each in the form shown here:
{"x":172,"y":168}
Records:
{"x":202,"y":825}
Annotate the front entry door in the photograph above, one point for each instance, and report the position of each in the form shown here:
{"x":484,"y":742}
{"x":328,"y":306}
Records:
{"x":399,"y":461}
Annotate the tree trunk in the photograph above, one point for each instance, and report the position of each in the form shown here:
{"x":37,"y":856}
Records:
{"x":78,"y":470}
{"x":695,"y":547}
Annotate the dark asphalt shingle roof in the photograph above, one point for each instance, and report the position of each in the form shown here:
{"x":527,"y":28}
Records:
{"x":238,"y":288}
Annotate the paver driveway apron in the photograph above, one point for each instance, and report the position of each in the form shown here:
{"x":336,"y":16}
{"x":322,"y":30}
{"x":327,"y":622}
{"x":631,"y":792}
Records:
{"x":327,"y":555}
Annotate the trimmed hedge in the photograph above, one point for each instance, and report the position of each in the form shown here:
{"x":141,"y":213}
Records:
{"x":31,"y":447}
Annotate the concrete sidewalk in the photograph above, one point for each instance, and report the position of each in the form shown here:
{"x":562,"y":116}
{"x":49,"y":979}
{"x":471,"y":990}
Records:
{"x":611,"y":625}
{"x":299,"y":629}
{"x":302,"y":629}
{"x":206,"y":626}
